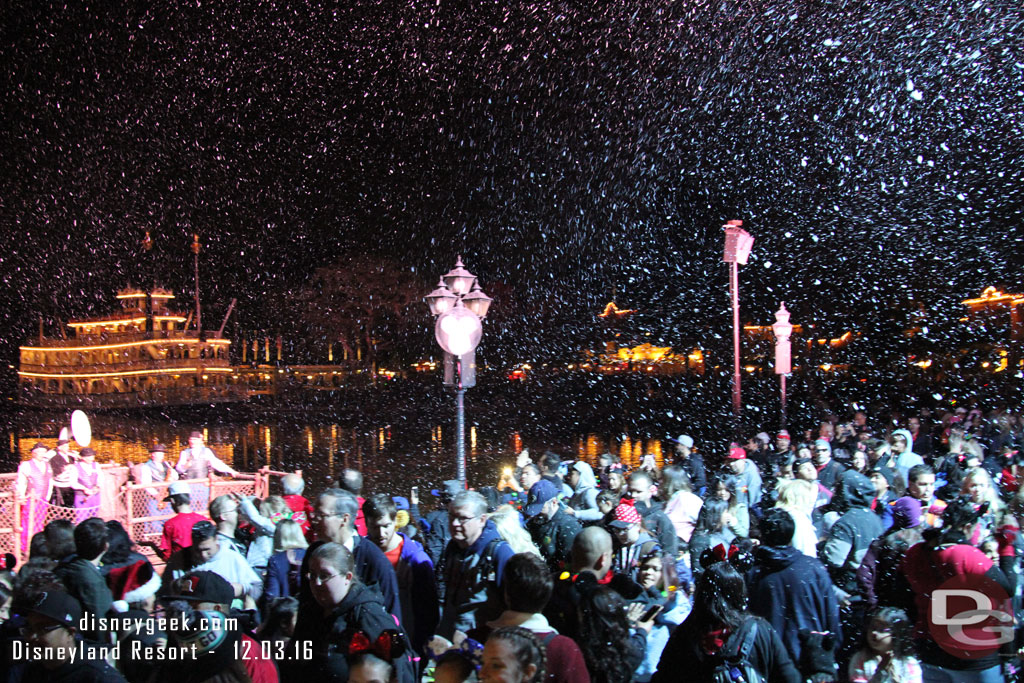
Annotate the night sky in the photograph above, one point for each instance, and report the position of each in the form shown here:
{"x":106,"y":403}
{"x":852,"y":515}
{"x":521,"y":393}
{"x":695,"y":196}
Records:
{"x":874,"y":149}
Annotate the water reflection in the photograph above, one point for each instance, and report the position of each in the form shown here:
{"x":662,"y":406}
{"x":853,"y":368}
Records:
{"x":392,"y":459}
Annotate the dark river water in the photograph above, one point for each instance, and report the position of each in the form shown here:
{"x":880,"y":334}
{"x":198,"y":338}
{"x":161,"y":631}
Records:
{"x":393,"y":455}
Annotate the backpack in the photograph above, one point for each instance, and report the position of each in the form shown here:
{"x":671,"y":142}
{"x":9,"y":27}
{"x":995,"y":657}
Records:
{"x":734,"y":658}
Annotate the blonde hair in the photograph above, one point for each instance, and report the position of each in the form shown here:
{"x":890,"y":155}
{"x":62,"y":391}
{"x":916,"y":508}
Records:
{"x":995,"y":504}
{"x":506,"y":521}
{"x":274,"y":507}
{"x":288,"y":536}
{"x":797,"y":495}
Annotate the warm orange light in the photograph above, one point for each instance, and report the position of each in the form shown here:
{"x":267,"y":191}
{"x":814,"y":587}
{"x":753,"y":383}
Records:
{"x":126,"y":373}
{"x":122,"y":346}
{"x":126,"y":321}
{"x":612,"y":309}
{"x":992,"y":295}
{"x":142,"y":295}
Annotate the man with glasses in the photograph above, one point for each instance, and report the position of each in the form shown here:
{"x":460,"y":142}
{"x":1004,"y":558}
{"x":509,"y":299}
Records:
{"x":333,"y":521}
{"x":473,"y":564}
{"x":829,"y":470}
{"x":49,"y":649}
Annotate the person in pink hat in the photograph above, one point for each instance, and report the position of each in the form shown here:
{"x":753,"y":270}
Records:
{"x":748,"y":491}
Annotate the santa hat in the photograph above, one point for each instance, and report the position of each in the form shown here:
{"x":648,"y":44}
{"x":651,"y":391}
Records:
{"x":132,"y":583}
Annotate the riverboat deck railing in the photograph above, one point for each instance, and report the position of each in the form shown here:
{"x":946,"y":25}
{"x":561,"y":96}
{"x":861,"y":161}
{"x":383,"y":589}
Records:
{"x":141,"y":510}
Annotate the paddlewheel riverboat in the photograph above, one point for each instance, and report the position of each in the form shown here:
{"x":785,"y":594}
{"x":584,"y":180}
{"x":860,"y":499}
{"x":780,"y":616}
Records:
{"x":144,"y":355}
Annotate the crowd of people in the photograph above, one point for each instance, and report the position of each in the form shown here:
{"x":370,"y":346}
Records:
{"x":817,"y":559}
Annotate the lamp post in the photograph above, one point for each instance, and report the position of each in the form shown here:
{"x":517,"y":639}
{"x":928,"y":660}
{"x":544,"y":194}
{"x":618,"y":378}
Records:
{"x":783,"y":352}
{"x":459,"y":305}
{"x":738,"y":243}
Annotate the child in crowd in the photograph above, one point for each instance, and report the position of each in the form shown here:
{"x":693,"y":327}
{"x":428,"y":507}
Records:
{"x":887,"y":655}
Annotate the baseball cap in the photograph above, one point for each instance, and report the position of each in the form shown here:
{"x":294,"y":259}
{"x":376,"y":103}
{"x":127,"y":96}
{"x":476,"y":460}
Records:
{"x":39,"y":445}
{"x":449,"y":489}
{"x":684,"y":440}
{"x":195,"y":435}
{"x":59,"y":606}
{"x":176,"y":489}
{"x":783,"y":434}
{"x":87,"y":453}
{"x":540,"y":493}
{"x":202,"y":586}
{"x":158,"y":448}
{"x":624,"y":515}
{"x":737,"y":453}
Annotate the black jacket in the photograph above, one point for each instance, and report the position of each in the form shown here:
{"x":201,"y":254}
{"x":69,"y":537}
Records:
{"x":683,"y":659}
{"x":554,"y":537}
{"x":851,"y":536}
{"x":792,"y":591}
{"x":363,"y":610}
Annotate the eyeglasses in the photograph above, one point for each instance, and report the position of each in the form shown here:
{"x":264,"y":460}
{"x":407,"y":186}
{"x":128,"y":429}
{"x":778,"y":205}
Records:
{"x":464,"y":520}
{"x":321,"y":580}
{"x":821,"y":450}
{"x":320,"y":515}
{"x":29,"y":631}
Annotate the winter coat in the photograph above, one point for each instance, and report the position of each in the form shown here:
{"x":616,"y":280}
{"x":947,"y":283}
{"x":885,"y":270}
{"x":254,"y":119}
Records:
{"x":693,"y":465}
{"x":849,"y":538}
{"x":554,"y":537}
{"x":584,"y":498}
{"x":683,"y":658}
{"x":878,"y":577}
{"x":417,"y":591}
{"x":683,"y":509}
{"x":926,"y":569}
{"x":792,"y":592}
{"x":749,"y":485}
{"x":908,"y":458}
{"x":830,"y":474}
{"x":362,"y":609}
{"x":472,"y":577}
{"x":283,"y":578}
{"x":371,"y":567}
{"x":676,"y":607}
{"x":661,"y":527}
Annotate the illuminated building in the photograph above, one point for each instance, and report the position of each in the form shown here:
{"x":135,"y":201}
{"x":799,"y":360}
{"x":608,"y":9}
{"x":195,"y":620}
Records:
{"x":143,"y":355}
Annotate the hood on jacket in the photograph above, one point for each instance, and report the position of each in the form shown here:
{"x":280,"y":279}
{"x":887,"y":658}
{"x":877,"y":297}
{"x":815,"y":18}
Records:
{"x":854,"y":490}
{"x":587,"y":478}
{"x":358,"y":594}
{"x":905,"y":433}
{"x":773,"y":558}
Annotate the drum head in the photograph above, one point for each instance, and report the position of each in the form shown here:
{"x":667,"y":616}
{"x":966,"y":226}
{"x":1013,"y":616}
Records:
{"x":80,"y":428}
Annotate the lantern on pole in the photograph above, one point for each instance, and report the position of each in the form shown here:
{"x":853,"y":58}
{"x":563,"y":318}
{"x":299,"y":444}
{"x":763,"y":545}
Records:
{"x":738,"y":244}
{"x":459,"y":306}
{"x":783,"y":352}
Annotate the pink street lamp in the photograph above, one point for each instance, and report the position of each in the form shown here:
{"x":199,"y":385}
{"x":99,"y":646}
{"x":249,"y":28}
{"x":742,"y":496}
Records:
{"x":459,"y":306}
{"x":783,"y":352}
{"x":738,"y":243}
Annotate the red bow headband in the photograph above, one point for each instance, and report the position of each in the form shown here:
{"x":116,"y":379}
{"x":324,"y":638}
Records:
{"x":388,"y":646}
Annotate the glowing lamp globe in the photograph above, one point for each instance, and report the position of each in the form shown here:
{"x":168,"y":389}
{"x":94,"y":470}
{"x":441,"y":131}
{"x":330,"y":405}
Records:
{"x":458,"y":331}
{"x":458,"y":279}
{"x":477,"y":302}
{"x":440,"y":300}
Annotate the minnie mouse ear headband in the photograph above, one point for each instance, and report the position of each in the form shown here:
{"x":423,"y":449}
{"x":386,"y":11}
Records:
{"x":468,"y":650}
{"x":739,"y":558}
{"x":389,"y":645}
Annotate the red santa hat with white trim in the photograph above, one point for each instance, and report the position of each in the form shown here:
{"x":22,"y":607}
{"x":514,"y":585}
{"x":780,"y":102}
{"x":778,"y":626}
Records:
{"x":132,"y":583}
